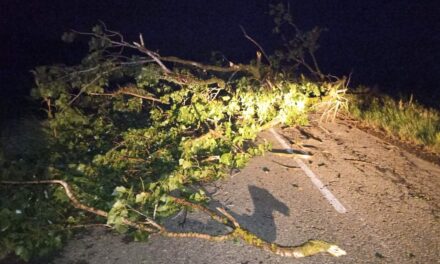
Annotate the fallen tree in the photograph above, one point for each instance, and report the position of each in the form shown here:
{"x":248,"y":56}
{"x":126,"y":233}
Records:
{"x":127,"y":127}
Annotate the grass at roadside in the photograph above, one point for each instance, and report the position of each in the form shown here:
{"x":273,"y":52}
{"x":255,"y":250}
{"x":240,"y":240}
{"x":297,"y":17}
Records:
{"x":404,"y":119}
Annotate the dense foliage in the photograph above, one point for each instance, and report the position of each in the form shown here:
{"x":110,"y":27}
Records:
{"x":125,"y":131}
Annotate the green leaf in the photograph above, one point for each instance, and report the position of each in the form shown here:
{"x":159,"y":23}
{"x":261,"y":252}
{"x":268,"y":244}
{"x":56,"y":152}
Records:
{"x":185,"y":163}
{"x":140,"y":235}
{"x":22,"y":252}
{"x":119,"y":191}
{"x":142,"y":197}
{"x":226,"y":159}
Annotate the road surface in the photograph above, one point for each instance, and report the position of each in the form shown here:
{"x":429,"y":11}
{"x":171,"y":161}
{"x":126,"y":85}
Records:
{"x":390,"y":206}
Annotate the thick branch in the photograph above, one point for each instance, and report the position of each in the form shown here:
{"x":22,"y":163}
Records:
{"x":132,"y":91}
{"x":232,"y":68}
{"x":159,"y":60}
{"x":202,"y":66}
{"x":152,"y":55}
{"x":309,"y":248}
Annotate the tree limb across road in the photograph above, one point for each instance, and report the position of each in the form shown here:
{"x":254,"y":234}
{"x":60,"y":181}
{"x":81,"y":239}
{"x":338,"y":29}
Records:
{"x":308,"y":248}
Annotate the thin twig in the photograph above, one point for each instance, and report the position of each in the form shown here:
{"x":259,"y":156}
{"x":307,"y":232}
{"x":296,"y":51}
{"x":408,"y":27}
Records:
{"x":256,"y":44}
{"x":147,"y":219}
{"x":360,"y":160}
{"x":287,"y":166}
{"x":199,"y":207}
{"x":83,"y":89}
{"x":230,"y":217}
{"x":86,"y":226}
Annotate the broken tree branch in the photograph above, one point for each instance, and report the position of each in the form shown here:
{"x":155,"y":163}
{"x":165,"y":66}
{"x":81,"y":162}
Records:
{"x":308,"y":248}
{"x":109,"y":36}
{"x":256,"y":44}
{"x":132,"y":91}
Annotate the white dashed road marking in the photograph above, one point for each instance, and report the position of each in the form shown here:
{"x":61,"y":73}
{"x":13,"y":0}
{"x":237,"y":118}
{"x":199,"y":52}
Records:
{"x":315,"y":180}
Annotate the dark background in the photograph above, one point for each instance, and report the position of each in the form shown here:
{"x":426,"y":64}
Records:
{"x":390,"y":44}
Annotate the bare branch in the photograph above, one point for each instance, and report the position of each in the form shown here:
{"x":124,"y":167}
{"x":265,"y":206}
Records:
{"x":197,"y":235}
{"x":199,"y":207}
{"x":256,"y":44}
{"x":308,"y":248}
{"x":68,"y":191}
{"x":147,"y":219}
{"x":230,"y":217}
{"x":83,"y":89}
{"x":132,"y":91}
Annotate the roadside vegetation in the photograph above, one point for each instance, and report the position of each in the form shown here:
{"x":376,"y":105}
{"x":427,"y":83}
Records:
{"x":402,"y":119}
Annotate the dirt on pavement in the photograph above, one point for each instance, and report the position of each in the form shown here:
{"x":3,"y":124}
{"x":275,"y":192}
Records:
{"x":391,"y":196}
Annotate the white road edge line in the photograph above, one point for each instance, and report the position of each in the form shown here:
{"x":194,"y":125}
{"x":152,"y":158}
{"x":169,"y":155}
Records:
{"x":315,"y":180}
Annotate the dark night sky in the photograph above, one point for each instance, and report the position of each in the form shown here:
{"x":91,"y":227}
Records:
{"x":395,"y":44}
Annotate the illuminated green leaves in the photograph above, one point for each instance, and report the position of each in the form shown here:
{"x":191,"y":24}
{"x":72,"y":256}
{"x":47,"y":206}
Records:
{"x":226,"y":159}
{"x":185,"y":164}
{"x":142,"y":197}
{"x":116,"y":216}
{"x":198,"y":197}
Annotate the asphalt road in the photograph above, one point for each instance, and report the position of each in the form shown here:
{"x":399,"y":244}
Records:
{"x":390,"y":207}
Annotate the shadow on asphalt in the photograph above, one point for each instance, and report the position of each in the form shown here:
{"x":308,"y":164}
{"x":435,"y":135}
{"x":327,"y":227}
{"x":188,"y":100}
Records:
{"x":261,"y":221}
